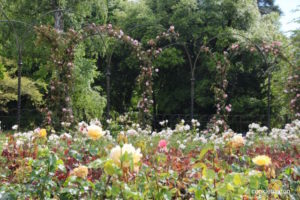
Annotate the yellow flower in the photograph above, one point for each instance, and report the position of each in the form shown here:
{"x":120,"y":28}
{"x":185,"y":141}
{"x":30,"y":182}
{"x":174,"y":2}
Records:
{"x":117,"y":152}
{"x":94,"y":132}
{"x":262,"y":160}
{"x":115,"y":155}
{"x":237,"y":141}
{"x":43,"y":133}
{"x":122,"y":138}
{"x":271,"y":172}
{"x":275,"y":185}
{"x":81,"y":171}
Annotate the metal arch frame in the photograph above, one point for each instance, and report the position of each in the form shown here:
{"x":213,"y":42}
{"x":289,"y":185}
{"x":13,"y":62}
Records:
{"x":108,"y":69}
{"x":19,"y":45}
{"x":268,"y":71}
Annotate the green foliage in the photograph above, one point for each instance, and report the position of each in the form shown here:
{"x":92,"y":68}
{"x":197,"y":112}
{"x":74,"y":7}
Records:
{"x":9,"y":90}
{"x":86,"y":100}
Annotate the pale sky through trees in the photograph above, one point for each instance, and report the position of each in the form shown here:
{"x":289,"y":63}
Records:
{"x":288,"y":16}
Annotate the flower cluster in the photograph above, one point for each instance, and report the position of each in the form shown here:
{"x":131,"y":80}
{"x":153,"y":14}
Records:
{"x":293,"y":91}
{"x":117,"y":152}
{"x":79,"y":164}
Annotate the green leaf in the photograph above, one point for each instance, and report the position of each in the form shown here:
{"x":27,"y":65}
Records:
{"x":208,"y":173}
{"x":115,"y":190}
{"x":237,"y":179}
{"x":254,"y":182}
{"x":109,"y":168}
{"x":199,"y":165}
{"x":98,"y":163}
{"x":204,"y":151}
{"x":230,"y":187}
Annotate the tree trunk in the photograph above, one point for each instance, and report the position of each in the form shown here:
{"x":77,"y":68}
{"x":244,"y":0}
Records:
{"x":58,"y":17}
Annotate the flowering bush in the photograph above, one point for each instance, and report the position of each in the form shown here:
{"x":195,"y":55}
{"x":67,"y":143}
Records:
{"x":124,"y":161}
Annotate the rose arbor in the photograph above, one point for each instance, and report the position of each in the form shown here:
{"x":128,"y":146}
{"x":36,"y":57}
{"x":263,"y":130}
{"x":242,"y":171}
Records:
{"x":61,"y":63}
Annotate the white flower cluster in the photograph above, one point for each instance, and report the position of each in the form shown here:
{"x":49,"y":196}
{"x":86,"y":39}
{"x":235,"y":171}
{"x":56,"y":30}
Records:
{"x":164,"y":123}
{"x":290,"y":133}
{"x":82,"y":127}
{"x":131,"y":132}
{"x":166,"y":133}
{"x":95,"y":122}
{"x":181,"y":127}
{"x":201,"y":138}
{"x":254,"y":129}
{"x":181,"y":144}
{"x":24,"y":138}
{"x":195,"y":123}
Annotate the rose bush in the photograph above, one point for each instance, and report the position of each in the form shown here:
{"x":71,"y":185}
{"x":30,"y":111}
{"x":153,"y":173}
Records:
{"x":124,"y":161}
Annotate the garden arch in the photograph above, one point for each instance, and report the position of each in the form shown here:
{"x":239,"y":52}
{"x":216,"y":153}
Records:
{"x":63,"y":45}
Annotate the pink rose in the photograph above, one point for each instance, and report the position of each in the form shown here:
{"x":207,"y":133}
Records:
{"x":228,"y":108}
{"x":162,"y":144}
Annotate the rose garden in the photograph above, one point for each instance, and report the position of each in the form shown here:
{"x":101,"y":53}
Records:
{"x":148,"y":99}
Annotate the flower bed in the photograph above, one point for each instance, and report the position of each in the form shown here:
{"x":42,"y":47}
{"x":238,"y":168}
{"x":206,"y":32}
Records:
{"x":128,"y":162}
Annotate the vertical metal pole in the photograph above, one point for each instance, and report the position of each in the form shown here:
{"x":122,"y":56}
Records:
{"x":20,"y":63}
{"x":154,"y":111}
{"x":108,"y":74}
{"x":269,"y":100}
{"x":192,"y":95}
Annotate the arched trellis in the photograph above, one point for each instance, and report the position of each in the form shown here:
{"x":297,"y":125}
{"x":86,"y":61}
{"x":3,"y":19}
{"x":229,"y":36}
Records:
{"x":270,"y":53}
{"x":63,"y":46}
{"x":19,"y":39}
{"x":260,"y":48}
{"x":108,"y":63}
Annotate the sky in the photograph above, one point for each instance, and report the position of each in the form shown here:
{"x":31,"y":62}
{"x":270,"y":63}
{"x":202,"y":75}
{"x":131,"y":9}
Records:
{"x":287,"y":7}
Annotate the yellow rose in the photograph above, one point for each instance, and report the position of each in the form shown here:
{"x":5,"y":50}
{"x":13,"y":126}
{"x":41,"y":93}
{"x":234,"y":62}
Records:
{"x":43,"y":133}
{"x":137,"y":156}
{"x":122,"y":138}
{"x":271,"y":172}
{"x":115,"y":155}
{"x":275,"y":185}
{"x":262,"y":160}
{"x":117,"y":152}
{"x":94,"y":132}
{"x":237,"y":141}
{"x":81,"y":171}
